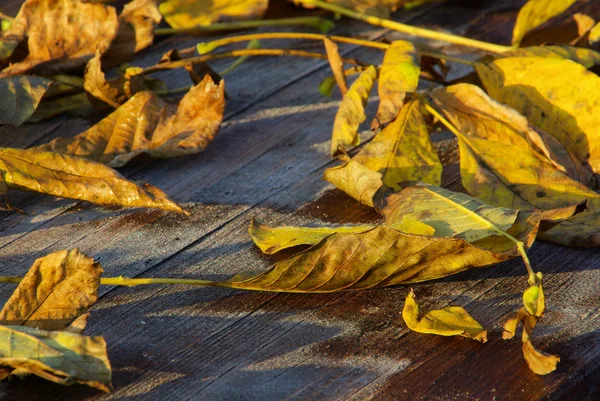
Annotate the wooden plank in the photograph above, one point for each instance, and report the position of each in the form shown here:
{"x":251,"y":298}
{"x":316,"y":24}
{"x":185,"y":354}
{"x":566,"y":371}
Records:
{"x":181,"y":343}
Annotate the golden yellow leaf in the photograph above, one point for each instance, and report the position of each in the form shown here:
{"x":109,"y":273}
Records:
{"x":534,"y":13}
{"x":558,"y":96}
{"x":190,"y":13}
{"x":378,"y":257}
{"x":356,"y":180}
{"x":582,"y":230}
{"x":76,"y":178}
{"x":83,"y":28}
{"x":56,"y":290}
{"x":499,"y":164}
{"x":402,"y":151}
{"x":336,"y":63}
{"x":136,"y":31}
{"x":351,"y":112}
{"x":378,"y":8}
{"x":456,"y":215}
{"x":61,"y":357}
{"x":594,"y":35}
{"x":147,"y":124}
{"x":450,"y":321}
{"x":20,"y":97}
{"x":399,"y":74}
{"x":273,"y":239}
{"x":586,"y":57}
{"x":569,"y":30}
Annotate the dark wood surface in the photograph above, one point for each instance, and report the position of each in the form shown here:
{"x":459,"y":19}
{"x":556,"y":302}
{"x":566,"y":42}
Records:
{"x":179,"y":343}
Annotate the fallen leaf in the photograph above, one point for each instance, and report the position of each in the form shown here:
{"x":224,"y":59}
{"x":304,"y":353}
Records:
{"x":191,"y":13}
{"x":196,"y":71}
{"x":356,"y":180}
{"x":399,"y":74}
{"x":586,"y":57}
{"x":147,"y":124}
{"x":539,"y":362}
{"x":56,"y":290}
{"x":402,"y":151}
{"x":378,"y":8}
{"x":456,"y":215}
{"x":351,"y":112}
{"x":534,"y":13}
{"x":75,"y":178}
{"x":594,"y":35}
{"x":84,"y":27}
{"x":20,"y":97}
{"x":136,"y":31}
{"x":61,"y":357}
{"x":77,"y":104}
{"x":450,"y":321}
{"x":582,"y":230}
{"x":568,"y":31}
{"x":114,"y":92}
{"x":498,"y":163}
{"x":273,"y":239}
{"x":558,"y":96}
{"x":336,"y":63}
{"x":378,"y":257}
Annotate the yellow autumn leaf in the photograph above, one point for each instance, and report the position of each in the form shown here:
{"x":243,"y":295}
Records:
{"x":594,"y":35}
{"x":378,"y":257}
{"x":84,"y":27}
{"x":456,"y":215}
{"x":450,"y":321}
{"x":586,"y":57}
{"x":558,"y":96}
{"x":378,"y":8}
{"x":582,"y":230}
{"x":534,"y":13}
{"x":61,"y":357}
{"x":569,"y":30}
{"x":56,"y":290}
{"x":190,"y":13}
{"x":499,"y":163}
{"x":399,"y":74}
{"x":75,"y":178}
{"x":351,"y":112}
{"x":76,"y":104}
{"x":336,"y":63}
{"x":402,"y":151}
{"x":356,"y":180}
{"x":273,"y":239}
{"x":533,"y":298}
{"x":147,"y":124}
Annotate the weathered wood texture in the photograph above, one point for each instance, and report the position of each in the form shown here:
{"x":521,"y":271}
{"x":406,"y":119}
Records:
{"x":177,"y":343}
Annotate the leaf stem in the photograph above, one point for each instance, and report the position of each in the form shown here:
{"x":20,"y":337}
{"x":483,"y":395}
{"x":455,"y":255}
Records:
{"x":408,"y":29}
{"x":130,"y":282}
{"x":207,"y":47}
{"x":242,"y":52}
{"x":520,"y":246}
{"x":322,"y":24}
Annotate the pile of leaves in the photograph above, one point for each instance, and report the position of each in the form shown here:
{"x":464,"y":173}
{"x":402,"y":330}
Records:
{"x":529,"y":149}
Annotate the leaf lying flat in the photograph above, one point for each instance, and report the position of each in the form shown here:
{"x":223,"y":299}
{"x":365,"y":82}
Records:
{"x":399,"y":75}
{"x":147,"y":124}
{"x":61,"y":357}
{"x":76,"y":178}
{"x":273,"y":239}
{"x":586,"y":57}
{"x":191,"y":13}
{"x":84,"y":27}
{"x":378,"y":257}
{"x":498,"y":164}
{"x":535,"y":13}
{"x":56,"y":290}
{"x":336,"y":63}
{"x":450,"y":321}
{"x":457,"y":215}
{"x":351,"y":112}
{"x":557,"y":96}
{"x":20,"y":97}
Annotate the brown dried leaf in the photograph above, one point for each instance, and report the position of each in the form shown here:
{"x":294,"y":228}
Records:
{"x":83,"y":28}
{"x":567,"y":31}
{"x":56,"y":290}
{"x":337,"y":65}
{"x":147,"y":124}
{"x":76,"y":178}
